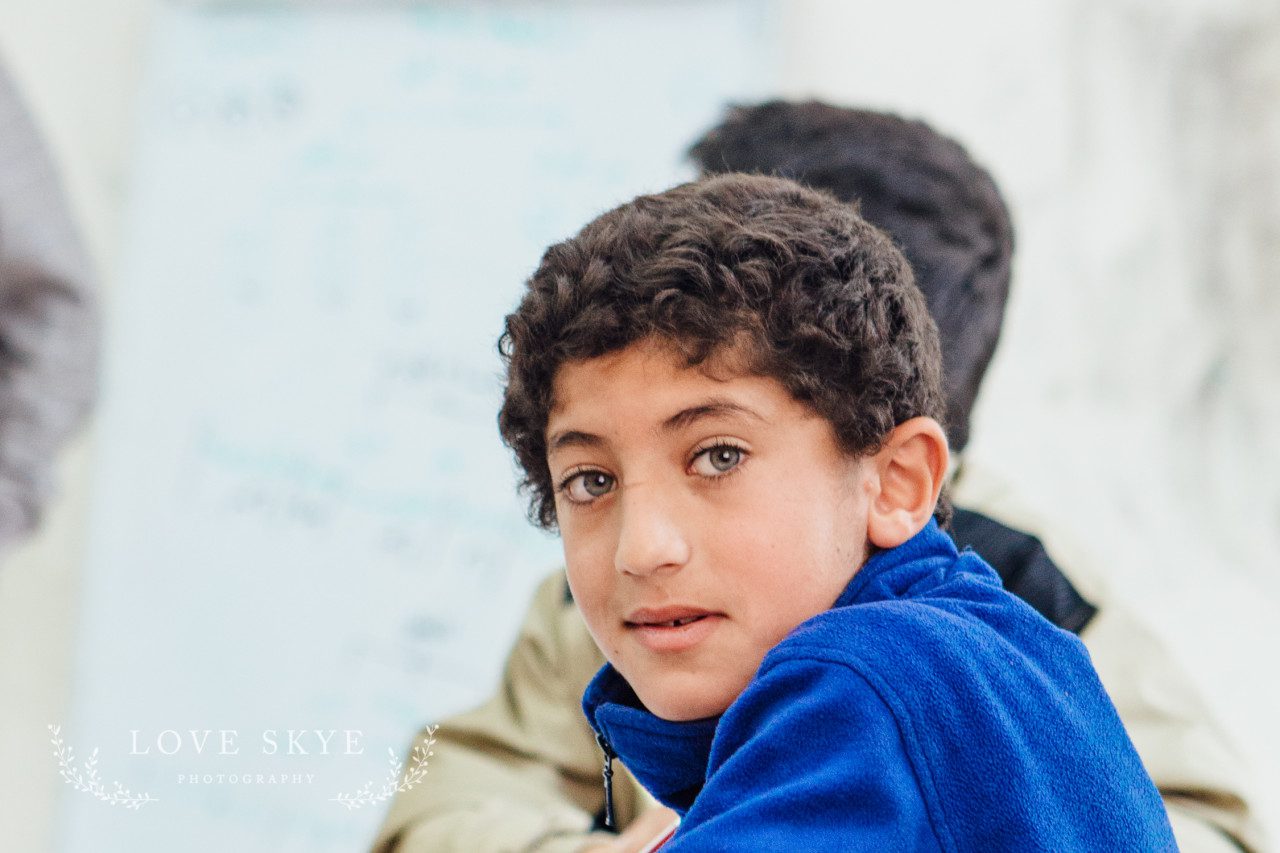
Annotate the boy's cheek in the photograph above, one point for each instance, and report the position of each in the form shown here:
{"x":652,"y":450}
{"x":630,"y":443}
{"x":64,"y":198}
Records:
{"x":597,"y":623}
{"x":591,"y":595}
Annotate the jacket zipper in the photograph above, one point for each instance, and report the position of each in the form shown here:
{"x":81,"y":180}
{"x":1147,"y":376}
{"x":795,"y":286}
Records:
{"x":609,"y":755}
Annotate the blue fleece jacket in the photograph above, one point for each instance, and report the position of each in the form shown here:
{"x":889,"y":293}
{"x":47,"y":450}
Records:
{"x":927,"y":710}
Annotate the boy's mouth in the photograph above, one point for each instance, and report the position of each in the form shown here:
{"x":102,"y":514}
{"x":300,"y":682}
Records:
{"x":671,"y":629}
{"x":665,"y":617}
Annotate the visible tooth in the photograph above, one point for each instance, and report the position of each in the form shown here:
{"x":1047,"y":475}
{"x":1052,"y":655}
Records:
{"x":675,"y":623}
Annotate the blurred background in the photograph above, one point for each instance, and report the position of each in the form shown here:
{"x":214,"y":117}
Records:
{"x":304,"y":222}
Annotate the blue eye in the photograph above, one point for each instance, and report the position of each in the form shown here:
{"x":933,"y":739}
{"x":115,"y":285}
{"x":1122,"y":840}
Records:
{"x":586,"y":486}
{"x":718,"y":460}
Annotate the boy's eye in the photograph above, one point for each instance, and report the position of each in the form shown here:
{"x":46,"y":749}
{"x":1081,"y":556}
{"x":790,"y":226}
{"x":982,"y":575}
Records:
{"x":717,"y":460}
{"x":586,"y":486}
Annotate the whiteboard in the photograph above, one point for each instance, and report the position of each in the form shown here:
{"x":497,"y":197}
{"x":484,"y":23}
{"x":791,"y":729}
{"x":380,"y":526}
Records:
{"x":302,"y":516}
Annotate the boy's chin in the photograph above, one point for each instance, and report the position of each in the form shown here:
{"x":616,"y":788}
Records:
{"x":680,"y":703}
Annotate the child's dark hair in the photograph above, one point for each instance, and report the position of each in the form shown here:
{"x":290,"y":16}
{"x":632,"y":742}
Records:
{"x":942,"y":209}
{"x":790,"y":281}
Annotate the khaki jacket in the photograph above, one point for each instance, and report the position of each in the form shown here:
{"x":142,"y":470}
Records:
{"x":522,"y":772}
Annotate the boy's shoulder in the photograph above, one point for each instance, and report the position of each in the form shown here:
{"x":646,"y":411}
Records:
{"x":948,"y":634}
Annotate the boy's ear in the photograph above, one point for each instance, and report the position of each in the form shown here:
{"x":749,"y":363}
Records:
{"x":908,"y":472}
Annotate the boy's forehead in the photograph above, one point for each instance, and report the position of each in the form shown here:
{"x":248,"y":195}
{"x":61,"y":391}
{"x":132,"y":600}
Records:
{"x":648,"y":363}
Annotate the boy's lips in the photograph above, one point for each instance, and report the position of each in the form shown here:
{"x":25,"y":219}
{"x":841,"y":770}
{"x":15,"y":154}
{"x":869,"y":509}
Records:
{"x":671,"y":629}
{"x":648,"y":616}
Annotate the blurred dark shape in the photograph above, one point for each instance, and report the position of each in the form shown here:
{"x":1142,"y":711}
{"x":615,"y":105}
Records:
{"x":49,"y":326}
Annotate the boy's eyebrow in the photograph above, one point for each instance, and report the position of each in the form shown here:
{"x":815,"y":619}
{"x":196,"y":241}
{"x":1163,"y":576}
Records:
{"x":572,"y":438}
{"x":714,"y":407}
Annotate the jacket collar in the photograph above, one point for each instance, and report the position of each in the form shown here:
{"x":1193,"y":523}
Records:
{"x":670,"y":759}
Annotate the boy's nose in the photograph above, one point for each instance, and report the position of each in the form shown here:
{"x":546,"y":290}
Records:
{"x":652,"y":536}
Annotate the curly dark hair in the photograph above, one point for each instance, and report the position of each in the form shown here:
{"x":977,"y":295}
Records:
{"x":788,"y":278}
{"x":942,"y":208}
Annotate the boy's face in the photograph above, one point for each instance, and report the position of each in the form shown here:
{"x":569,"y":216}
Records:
{"x":703,"y":519}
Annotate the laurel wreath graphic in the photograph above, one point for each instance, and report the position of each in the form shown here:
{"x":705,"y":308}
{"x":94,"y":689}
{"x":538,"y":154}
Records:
{"x":86,"y":777}
{"x":366,"y":796}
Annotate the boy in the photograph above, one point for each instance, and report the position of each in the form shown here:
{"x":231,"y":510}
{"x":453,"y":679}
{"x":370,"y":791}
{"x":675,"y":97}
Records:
{"x":727,"y":397}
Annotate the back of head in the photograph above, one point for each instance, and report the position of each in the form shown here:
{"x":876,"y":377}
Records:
{"x":942,"y":209}
{"x":783,"y":281}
